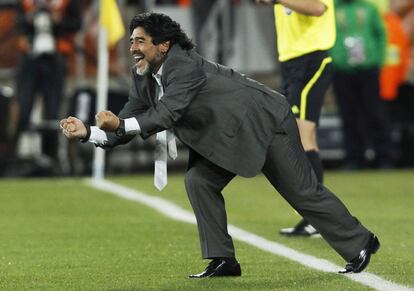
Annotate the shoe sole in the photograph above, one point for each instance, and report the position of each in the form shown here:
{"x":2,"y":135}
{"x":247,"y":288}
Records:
{"x":300,"y":235}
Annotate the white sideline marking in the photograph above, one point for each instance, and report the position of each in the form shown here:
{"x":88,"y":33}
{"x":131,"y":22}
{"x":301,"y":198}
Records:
{"x":175,"y":212}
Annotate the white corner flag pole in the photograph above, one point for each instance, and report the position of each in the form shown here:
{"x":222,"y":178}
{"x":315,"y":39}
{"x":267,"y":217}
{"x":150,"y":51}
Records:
{"x":98,"y":169}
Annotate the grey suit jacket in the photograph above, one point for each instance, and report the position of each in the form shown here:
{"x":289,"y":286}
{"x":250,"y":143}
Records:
{"x":221,"y":114}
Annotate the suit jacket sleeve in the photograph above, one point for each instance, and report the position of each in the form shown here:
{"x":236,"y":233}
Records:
{"x":182,"y":79}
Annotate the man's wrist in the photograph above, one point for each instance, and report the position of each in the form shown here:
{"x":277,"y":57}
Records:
{"x":120,"y":131}
{"x":88,"y":134}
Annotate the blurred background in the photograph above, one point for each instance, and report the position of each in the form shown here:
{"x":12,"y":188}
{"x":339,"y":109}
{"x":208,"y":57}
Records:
{"x":48,"y":69}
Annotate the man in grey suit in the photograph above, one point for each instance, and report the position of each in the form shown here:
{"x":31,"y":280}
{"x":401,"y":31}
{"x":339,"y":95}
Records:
{"x":233,"y":126}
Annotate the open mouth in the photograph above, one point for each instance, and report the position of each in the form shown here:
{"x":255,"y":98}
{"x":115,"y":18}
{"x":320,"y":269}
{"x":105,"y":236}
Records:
{"x":138,"y":59}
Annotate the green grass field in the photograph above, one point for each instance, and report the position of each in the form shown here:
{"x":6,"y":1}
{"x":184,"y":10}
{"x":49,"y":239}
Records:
{"x":60,"y":234}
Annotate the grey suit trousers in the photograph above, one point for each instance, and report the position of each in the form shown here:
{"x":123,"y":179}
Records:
{"x":289,"y":171}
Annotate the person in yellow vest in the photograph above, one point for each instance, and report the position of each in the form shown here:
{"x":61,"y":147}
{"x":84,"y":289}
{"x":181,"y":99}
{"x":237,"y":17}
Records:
{"x":305,"y":32}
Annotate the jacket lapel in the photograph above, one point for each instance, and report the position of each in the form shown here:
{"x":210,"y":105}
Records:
{"x":148,"y":90}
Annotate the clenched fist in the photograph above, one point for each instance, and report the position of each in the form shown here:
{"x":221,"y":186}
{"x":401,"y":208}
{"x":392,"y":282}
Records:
{"x":107,"y":121}
{"x":73,"y":127}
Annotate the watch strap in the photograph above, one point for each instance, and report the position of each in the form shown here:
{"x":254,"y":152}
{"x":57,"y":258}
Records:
{"x":88,"y":134}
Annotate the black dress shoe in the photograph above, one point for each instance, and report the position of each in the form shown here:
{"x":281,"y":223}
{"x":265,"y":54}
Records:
{"x":303,"y":228}
{"x":359,"y":263}
{"x":220,"y":267}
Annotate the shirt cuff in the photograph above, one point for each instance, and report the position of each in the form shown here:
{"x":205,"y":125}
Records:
{"x":98,"y":136}
{"x":132,"y":126}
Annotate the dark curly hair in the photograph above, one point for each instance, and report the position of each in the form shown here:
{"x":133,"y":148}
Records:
{"x":161,"y":28}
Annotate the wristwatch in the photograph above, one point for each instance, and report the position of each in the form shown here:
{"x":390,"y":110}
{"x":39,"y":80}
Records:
{"x":120,"y":131}
{"x":88,"y":134}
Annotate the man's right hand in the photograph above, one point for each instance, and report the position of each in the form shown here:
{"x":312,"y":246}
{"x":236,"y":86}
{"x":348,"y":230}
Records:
{"x":107,"y":121}
{"x":73,"y":127}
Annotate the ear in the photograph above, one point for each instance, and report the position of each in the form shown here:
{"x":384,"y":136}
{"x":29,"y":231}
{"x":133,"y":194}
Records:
{"x":165,"y":46}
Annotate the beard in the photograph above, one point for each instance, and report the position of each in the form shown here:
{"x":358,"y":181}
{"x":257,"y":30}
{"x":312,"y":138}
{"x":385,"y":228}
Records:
{"x":143,"y":71}
{"x":150,"y":66}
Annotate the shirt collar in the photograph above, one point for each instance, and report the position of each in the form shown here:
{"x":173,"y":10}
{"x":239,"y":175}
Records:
{"x":157,"y":75}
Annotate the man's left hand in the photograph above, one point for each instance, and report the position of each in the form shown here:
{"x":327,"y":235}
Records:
{"x":73,"y":127}
{"x":107,"y":121}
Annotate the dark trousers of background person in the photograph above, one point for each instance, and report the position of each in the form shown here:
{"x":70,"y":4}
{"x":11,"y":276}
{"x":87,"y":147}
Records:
{"x":402,"y":122}
{"x":364,"y":120}
{"x":44,"y":76}
{"x":8,"y":120}
{"x":201,"y":10}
